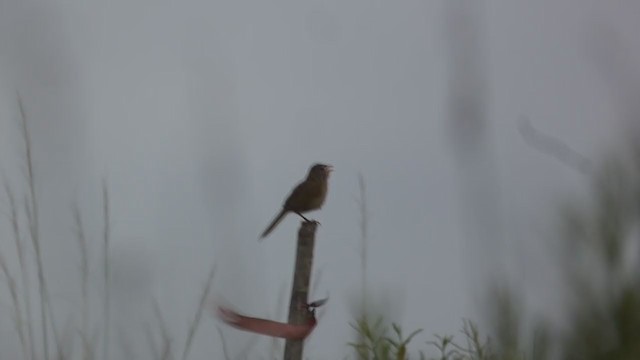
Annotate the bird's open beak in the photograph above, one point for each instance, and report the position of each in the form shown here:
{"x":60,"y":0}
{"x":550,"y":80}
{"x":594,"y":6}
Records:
{"x":328,"y":168}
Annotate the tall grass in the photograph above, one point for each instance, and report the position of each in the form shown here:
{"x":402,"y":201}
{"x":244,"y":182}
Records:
{"x":29,"y":254}
{"x":28,"y":343}
{"x":31,"y":210}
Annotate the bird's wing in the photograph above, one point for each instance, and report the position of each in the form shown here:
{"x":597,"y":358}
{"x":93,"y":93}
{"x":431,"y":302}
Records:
{"x":301,"y":195}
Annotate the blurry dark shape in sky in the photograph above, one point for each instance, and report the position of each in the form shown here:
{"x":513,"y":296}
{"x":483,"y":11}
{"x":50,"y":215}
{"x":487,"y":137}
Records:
{"x":549,"y":145}
{"x":469,"y":128}
{"x":467,"y":82}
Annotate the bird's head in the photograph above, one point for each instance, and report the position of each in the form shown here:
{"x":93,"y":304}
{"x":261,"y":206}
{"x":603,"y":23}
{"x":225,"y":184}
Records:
{"x":320,"y":171}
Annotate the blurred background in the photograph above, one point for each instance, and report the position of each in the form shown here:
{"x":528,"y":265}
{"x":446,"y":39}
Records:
{"x":486,"y":176}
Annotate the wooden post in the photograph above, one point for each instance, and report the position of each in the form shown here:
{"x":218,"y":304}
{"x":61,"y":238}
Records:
{"x":300,"y":290}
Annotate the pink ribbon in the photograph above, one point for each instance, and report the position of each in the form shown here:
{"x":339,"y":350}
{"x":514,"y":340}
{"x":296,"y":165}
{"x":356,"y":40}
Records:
{"x":272,"y":328}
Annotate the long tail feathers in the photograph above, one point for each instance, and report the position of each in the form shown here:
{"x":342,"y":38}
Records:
{"x":273,"y":224}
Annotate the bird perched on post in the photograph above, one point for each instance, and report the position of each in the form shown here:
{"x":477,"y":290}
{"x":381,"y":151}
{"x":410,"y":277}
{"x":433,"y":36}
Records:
{"x":309,"y":195}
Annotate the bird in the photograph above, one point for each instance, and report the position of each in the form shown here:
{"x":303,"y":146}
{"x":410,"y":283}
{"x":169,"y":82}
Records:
{"x":309,"y":195}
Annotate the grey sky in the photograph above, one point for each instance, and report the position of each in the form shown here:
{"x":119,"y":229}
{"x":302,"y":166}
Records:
{"x":202,"y":115}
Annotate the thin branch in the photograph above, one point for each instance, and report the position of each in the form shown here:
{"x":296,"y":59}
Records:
{"x":125,"y":344}
{"x":106,"y":239}
{"x":225,"y":352}
{"x":242,"y":354}
{"x":276,"y":342}
{"x":364,"y":224}
{"x":148,"y":331}
{"x":11,"y":283}
{"x":32,"y":212}
{"x":88,"y":345}
{"x":24,"y":274}
{"x":84,"y":270}
{"x":66,"y":341}
{"x":166,"y":338}
{"x":196,"y":320}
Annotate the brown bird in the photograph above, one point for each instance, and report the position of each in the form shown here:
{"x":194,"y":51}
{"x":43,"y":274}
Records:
{"x":309,"y":195}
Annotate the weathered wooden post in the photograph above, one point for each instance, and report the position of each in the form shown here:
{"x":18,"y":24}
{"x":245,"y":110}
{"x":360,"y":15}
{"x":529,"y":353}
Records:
{"x":300,"y":289}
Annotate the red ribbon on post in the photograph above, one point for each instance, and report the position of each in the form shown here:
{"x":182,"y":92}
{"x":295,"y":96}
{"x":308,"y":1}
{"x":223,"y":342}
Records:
{"x":270,"y":327}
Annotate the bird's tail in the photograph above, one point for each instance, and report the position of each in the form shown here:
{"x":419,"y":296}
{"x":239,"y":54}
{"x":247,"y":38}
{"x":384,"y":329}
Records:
{"x":273,"y":224}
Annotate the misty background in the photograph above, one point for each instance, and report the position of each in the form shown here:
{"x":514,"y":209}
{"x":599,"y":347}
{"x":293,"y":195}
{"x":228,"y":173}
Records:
{"x":200,"y":116}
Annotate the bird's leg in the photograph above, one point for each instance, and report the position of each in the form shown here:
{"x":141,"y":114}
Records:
{"x":302,"y":216}
{"x":305,"y":219}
